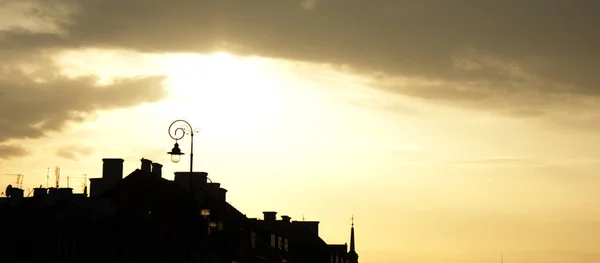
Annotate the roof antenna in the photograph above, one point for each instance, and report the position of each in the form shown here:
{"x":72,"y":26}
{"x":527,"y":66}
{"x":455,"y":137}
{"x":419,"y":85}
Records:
{"x":502,"y":257}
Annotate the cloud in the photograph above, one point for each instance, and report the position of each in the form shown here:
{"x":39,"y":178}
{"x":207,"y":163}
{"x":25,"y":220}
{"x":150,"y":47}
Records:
{"x":71,"y":152}
{"x":7,"y":151}
{"x":36,"y":96}
{"x":309,"y":4}
{"x":521,"y":58}
{"x":34,"y":104}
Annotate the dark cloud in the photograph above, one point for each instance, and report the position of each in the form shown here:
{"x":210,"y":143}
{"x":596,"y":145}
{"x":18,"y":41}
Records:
{"x":73,"y":151}
{"x":37,"y":98}
{"x":520,"y":57}
{"x":7,"y":151}
{"x":33,"y":104}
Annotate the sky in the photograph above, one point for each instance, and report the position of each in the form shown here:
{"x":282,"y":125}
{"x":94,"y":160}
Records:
{"x":453,"y":131}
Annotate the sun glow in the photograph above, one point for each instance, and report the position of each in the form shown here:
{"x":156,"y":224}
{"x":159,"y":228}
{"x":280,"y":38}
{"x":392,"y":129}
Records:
{"x":227,"y":92}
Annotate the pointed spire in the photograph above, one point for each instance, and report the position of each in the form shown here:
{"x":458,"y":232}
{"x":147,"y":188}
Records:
{"x":352,"y":253}
{"x":352,"y":246}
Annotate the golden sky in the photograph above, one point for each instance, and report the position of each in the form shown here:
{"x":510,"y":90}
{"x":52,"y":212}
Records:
{"x":452,"y":130}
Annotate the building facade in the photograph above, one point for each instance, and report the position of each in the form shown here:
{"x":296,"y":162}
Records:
{"x":145,"y":218}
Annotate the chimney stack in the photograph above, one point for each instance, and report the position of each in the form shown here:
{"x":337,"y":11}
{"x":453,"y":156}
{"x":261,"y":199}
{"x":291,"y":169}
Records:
{"x":112,"y":171}
{"x":39,"y":192}
{"x":157,"y":170}
{"x":311,"y":226}
{"x":198,"y":179}
{"x":270,"y":216}
{"x":146,"y":165}
{"x":286,"y":219}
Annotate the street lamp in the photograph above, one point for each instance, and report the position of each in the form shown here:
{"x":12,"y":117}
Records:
{"x":177,"y":134}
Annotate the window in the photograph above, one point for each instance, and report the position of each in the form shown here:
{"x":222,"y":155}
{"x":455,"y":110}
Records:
{"x":285,"y":245}
{"x":65,"y":245}
{"x":272,"y":240}
{"x":253,"y":239}
{"x":280,"y":242}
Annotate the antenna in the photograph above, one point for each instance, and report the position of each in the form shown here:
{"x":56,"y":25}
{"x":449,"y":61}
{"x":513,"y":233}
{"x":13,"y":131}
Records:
{"x":84,"y":184}
{"x":57,"y":176}
{"x":19,"y":182}
{"x":76,"y":179}
{"x":47,"y":177}
{"x":502,"y":257}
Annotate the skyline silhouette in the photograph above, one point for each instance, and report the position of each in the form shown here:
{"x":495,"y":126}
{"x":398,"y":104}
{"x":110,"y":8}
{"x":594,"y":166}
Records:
{"x":144,"y":217}
{"x":455,"y":131}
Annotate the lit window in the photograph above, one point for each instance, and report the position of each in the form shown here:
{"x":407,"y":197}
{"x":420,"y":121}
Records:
{"x":285,"y":244}
{"x":272,"y":240}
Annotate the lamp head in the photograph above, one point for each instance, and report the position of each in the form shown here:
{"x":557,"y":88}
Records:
{"x":175,"y":153}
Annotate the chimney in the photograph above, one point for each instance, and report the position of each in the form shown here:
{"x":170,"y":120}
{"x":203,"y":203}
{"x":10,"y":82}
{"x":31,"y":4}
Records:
{"x":286,"y":219}
{"x":112,"y":171}
{"x":157,"y":170}
{"x":312,"y":226}
{"x":198,"y":179}
{"x":146,"y":165}
{"x":16,"y":196}
{"x":96,"y":187}
{"x":39,"y":192}
{"x":218,"y":194}
{"x":270,"y":216}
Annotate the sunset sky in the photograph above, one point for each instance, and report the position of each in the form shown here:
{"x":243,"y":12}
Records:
{"x":453,"y":130}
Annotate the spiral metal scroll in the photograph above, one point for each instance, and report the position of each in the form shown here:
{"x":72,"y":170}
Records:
{"x":185,"y":128}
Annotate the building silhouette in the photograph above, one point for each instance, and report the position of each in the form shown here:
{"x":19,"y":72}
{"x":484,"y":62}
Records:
{"x":143,"y":217}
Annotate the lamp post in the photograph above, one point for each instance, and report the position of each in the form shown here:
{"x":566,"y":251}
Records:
{"x":177,"y":134}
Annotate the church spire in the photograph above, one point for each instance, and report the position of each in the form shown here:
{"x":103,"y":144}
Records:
{"x":352,"y":247}
{"x":352,"y":253}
